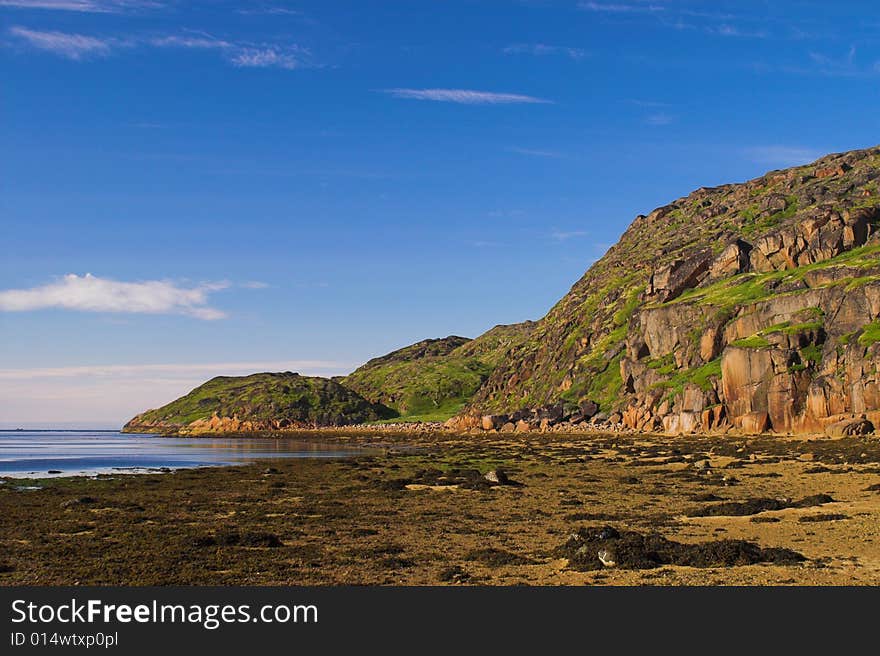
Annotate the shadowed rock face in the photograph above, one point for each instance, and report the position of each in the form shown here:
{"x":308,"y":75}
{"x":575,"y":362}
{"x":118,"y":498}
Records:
{"x":750,"y":307}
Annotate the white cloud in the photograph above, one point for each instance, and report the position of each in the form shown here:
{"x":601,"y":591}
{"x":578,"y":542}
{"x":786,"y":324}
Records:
{"x":560,"y":235}
{"x":265,"y":58}
{"x":781,"y":156}
{"x":84,"y":6}
{"x":71,"y":46}
{"x":534,"y":153}
{"x":659,"y":119}
{"x":649,"y":103}
{"x":89,"y":293}
{"x":620,"y":8}
{"x":270,"y":11}
{"x":733,"y":30}
{"x":464,"y":96}
{"x":541,"y":49}
{"x":198,"y":42}
{"x":239,"y":54}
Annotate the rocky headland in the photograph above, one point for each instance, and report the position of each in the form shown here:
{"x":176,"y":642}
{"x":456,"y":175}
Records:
{"x":744,"y":308}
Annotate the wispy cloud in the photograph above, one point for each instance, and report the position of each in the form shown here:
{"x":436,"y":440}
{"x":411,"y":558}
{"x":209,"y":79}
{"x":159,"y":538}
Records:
{"x":659,"y":119}
{"x":84,"y":6}
{"x":271,"y":57}
{"x":846,"y":65}
{"x":270,"y":10}
{"x":63,"y":44}
{"x":194,"y":369}
{"x":842,"y":65}
{"x":649,"y":103}
{"x":531,"y":152}
{"x":108,"y":395}
{"x":90,"y":293}
{"x":238,"y":53}
{"x":542,"y":49}
{"x":505,"y":213}
{"x":565,"y":235}
{"x":198,"y":41}
{"x":735,"y":31}
{"x":465,"y":96}
{"x":682,"y":18}
{"x":243,"y":55}
{"x":781,"y":156}
{"x":621,"y":8}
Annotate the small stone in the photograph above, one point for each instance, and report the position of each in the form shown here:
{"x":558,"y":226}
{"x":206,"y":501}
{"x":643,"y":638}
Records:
{"x":497,"y":476}
{"x":606,"y":557}
{"x":806,"y":457}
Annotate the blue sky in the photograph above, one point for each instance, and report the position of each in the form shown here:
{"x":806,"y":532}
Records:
{"x":305,"y":185}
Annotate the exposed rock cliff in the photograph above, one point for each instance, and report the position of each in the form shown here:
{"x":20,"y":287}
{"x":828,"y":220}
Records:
{"x":750,"y":306}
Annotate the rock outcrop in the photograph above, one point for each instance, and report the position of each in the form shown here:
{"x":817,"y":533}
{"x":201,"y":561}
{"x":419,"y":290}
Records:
{"x":751,"y":308}
{"x":747,"y":308}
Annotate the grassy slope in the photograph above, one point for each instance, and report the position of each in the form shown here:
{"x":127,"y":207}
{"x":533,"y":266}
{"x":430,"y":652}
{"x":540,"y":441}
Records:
{"x":434,"y":379}
{"x":269,"y":396}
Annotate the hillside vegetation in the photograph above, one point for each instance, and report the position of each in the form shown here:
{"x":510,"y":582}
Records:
{"x":434,"y":379}
{"x":266,"y":401}
{"x":747,"y":306}
{"x":750,"y":307}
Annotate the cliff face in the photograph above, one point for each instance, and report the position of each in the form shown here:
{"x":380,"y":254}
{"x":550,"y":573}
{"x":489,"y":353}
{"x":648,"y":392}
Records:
{"x":261,"y":402}
{"x":753,"y":306}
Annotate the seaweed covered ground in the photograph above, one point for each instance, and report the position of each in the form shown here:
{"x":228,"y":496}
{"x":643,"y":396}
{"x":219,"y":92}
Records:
{"x":573,"y":510}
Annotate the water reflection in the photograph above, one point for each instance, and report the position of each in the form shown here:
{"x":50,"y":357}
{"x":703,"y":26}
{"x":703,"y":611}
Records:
{"x":36,"y":453}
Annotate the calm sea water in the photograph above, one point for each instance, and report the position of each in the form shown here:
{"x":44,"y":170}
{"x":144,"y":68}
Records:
{"x":32,"y":454}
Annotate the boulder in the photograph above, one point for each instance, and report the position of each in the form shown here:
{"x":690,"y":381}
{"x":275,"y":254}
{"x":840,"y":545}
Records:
{"x":849,"y":427}
{"x":588,"y":408}
{"x":831,"y":171}
{"x":669,"y":281}
{"x":497,"y":476}
{"x":732,"y":260}
{"x":493,"y":422}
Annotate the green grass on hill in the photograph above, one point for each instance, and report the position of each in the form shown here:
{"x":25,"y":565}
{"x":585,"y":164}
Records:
{"x":434,"y":379}
{"x":269,"y":396}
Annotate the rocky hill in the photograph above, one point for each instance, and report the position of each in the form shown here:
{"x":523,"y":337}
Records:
{"x":433,"y":379}
{"x":750,"y":306}
{"x":267,"y":401}
{"x":429,"y":381}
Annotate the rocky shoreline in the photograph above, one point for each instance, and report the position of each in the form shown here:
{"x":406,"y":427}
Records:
{"x":559,"y":419}
{"x":446,"y":508}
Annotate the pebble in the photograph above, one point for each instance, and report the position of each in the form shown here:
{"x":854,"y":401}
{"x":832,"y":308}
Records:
{"x":606,"y":557}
